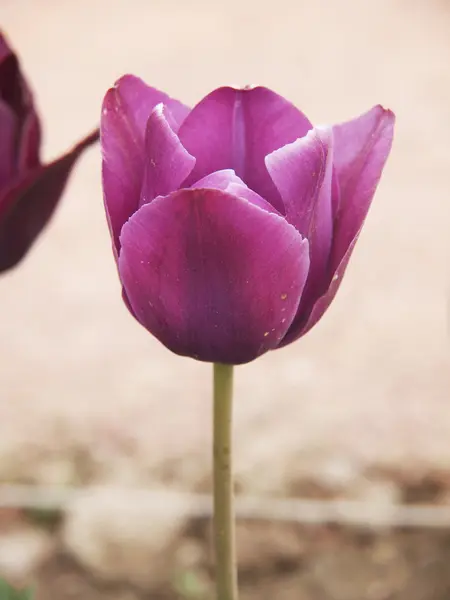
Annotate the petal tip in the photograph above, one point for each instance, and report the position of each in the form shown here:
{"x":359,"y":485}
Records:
{"x":127,"y":78}
{"x":110,"y":101}
{"x":5,"y":48}
{"x":385,"y":113}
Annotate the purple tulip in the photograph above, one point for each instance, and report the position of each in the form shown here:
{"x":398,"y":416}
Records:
{"x":233,"y":223}
{"x":29,"y":190}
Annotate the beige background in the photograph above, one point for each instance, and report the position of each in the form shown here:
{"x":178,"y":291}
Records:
{"x":88,"y":395}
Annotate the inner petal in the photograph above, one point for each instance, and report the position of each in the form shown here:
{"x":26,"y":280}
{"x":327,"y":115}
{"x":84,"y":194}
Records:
{"x":167,"y":163}
{"x":227,"y":181}
{"x":236,"y":129}
{"x":219,"y":180}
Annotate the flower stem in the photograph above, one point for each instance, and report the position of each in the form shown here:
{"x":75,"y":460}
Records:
{"x":224,"y":525}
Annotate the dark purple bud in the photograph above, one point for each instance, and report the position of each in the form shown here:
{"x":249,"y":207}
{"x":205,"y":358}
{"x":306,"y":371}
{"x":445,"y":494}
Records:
{"x":29,"y":190}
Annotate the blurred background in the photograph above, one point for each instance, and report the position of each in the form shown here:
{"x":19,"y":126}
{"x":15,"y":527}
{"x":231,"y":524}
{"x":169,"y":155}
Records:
{"x":354,"y":419}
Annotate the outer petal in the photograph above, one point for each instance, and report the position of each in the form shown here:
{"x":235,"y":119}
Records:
{"x":125,"y":112}
{"x":8,"y":136}
{"x":30,"y":142}
{"x":302,"y":172}
{"x":13,"y":88}
{"x":140,"y":99}
{"x":5,"y":50}
{"x":236,"y":129}
{"x":28,"y":204}
{"x":212,"y":276}
{"x":167,"y":163}
{"x":16,"y":96}
{"x":361,"y":150}
{"x":323,"y":302}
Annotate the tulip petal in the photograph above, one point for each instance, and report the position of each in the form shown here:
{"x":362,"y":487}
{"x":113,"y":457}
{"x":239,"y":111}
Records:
{"x":17,"y":99}
{"x":227,"y":181}
{"x":8,"y":141}
{"x":212,"y":276}
{"x":220,"y":180}
{"x":322,"y":304}
{"x":167,"y":163}
{"x":28,"y":204}
{"x":125,"y":112}
{"x":5,"y":50}
{"x":361,"y":148}
{"x":14,"y":91}
{"x":242,"y":126}
{"x":122,"y":164}
{"x":302,"y":172}
{"x":140,"y":99}
{"x":30,"y":143}
{"x":242,"y":191}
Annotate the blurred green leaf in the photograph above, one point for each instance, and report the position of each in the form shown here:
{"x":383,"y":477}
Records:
{"x":188,"y":585}
{"x":9,"y":593}
{"x":47,"y":518}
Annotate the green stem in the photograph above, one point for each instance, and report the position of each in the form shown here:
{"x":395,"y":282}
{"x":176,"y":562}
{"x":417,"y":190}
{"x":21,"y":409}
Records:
{"x":224,"y":535}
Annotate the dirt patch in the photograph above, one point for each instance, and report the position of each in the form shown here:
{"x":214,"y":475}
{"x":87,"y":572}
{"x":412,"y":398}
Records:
{"x":295,"y":563}
{"x":277,"y":560}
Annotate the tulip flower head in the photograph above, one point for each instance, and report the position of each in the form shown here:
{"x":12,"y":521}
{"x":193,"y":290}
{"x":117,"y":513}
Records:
{"x":232,"y":223}
{"x":29,"y":190}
